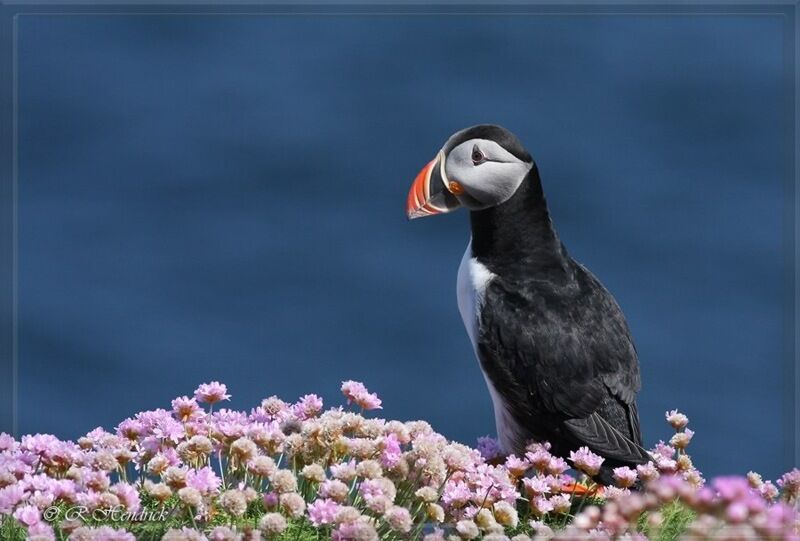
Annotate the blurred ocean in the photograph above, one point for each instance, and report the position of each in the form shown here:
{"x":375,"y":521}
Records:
{"x":221,"y":197}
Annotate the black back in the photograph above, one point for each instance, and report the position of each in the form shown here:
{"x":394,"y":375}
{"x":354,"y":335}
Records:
{"x":552,"y":339}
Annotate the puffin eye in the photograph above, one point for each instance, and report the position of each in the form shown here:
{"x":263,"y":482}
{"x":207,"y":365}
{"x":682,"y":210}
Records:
{"x":477,"y":156}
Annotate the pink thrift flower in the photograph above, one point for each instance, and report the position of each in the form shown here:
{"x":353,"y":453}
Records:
{"x":681,"y":439}
{"x":128,"y":496}
{"x":536,"y":486}
{"x":90,"y":499}
{"x":323,"y":511}
{"x":369,"y":401}
{"x":790,"y":484}
{"x":456,"y":494}
{"x":558,"y":482}
{"x":781,"y":516}
{"x":28,"y":515}
{"x":352,"y":389}
{"x":489,"y":448}
{"x":705,"y":498}
{"x":107,"y":533}
{"x":665,"y":465}
{"x":586,"y":461}
{"x":308,"y":406}
{"x":663,"y":450}
{"x":41,"y":500}
{"x":536,"y":446}
{"x":355,"y":391}
{"x":232,"y":424}
{"x":436,"y":535}
{"x":211,"y":393}
{"x":371,"y":487}
{"x":737,"y":512}
{"x":185,"y":408}
{"x":161,"y":425}
{"x":768,"y":490}
{"x":625,"y":477}
{"x":541,"y":505}
{"x":344,"y":470}
{"x":517,"y":466}
{"x":41,"y":531}
{"x":222,"y":533}
{"x":399,"y":519}
{"x":64,"y":489}
{"x":333,"y":489}
{"x":557,"y":465}
{"x":7,"y":442}
{"x":391,"y":452}
{"x":755,"y":503}
{"x":615,"y":493}
{"x":130,"y":429}
{"x":731,"y":488}
{"x":270,"y":499}
{"x":38,"y":446}
{"x":10,"y":496}
{"x":539,"y":459}
{"x":354,"y":531}
{"x":203,"y":480}
{"x":677,"y":419}
{"x":275,"y":409}
{"x":561,"y":503}
{"x":647,"y":472}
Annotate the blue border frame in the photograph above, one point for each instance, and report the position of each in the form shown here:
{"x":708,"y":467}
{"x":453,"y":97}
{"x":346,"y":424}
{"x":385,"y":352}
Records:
{"x":11,"y":11}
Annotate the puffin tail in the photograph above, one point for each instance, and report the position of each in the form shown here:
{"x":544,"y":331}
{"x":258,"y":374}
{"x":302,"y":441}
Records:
{"x":598,"y":435}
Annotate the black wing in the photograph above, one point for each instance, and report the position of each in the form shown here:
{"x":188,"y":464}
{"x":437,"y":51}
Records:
{"x":562,"y":353}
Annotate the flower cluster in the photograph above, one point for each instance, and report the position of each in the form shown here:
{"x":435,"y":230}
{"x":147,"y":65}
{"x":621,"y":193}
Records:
{"x":355,"y":392}
{"x":282,"y":469}
{"x":730,"y":508}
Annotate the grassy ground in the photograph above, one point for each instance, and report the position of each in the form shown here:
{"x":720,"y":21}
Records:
{"x":10,"y":530}
{"x":675,"y":517}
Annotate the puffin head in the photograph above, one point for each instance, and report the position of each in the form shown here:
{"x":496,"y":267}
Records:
{"x":477,"y":168}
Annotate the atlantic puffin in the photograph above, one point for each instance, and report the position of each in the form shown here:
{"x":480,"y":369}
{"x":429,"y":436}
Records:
{"x":552,"y":343}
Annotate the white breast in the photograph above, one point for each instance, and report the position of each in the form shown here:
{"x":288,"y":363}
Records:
{"x":473,"y":279}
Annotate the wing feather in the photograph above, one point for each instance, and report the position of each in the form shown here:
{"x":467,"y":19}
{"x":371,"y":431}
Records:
{"x":602,"y":438}
{"x":564,"y":352}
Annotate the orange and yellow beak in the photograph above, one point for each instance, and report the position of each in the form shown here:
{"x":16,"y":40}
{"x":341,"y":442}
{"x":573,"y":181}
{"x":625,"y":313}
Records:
{"x":430,"y":193}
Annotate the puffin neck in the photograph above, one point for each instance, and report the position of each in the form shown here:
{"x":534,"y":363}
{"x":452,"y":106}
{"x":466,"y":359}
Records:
{"x":519,"y":234}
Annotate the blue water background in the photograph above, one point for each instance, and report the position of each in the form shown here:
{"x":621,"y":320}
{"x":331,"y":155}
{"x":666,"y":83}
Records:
{"x":222,"y":197}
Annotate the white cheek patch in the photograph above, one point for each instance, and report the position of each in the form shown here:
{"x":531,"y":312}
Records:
{"x":491,"y":182}
{"x":495,"y":182}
